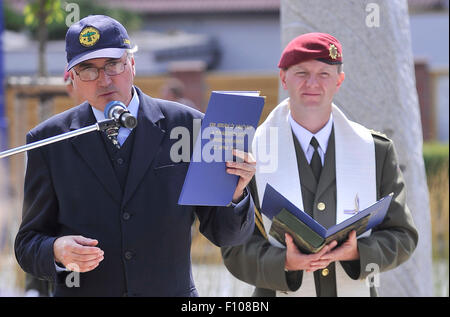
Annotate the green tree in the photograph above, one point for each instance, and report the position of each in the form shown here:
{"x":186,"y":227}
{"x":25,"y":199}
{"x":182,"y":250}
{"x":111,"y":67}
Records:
{"x":57,"y":29}
{"x":12,"y":20}
{"x":43,"y":13}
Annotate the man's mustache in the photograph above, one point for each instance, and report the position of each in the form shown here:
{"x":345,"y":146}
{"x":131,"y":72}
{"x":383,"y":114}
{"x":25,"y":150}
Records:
{"x":102,"y":91}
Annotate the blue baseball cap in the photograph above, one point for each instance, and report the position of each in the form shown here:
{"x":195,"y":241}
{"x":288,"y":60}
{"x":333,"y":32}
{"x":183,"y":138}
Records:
{"x":95,"y":36}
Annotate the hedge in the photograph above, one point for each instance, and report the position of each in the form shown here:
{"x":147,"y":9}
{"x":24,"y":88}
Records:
{"x":435,"y":156}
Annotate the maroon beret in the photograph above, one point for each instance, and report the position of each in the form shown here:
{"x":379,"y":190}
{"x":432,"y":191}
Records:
{"x":319,"y":46}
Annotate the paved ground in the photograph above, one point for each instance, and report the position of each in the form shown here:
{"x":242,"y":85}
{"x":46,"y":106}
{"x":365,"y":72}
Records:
{"x":215,"y":280}
{"x":210,"y":280}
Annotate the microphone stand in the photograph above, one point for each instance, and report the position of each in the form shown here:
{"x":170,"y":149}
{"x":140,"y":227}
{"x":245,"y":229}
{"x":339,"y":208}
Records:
{"x":99,"y":126}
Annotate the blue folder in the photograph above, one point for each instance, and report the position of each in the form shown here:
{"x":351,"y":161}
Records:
{"x":207,"y":183}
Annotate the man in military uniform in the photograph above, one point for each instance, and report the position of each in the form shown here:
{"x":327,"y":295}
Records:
{"x":325,"y":163}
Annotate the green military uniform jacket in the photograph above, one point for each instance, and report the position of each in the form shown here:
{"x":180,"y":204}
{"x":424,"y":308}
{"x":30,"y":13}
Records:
{"x":391,"y":243}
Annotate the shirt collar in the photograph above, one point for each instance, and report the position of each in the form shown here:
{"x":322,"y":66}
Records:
{"x":132,"y":107}
{"x":304,"y":136}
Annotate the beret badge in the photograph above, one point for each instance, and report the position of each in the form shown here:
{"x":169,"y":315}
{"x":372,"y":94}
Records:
{"x":334,"y":53}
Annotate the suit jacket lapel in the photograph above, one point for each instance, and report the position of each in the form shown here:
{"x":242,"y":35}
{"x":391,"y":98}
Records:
{"x":146,"y":144}
{"x":92,"y":150}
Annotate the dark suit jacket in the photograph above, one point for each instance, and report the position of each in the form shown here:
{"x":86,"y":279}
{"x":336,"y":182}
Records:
{"x":71,"y":189}
{"x":391,"y":243}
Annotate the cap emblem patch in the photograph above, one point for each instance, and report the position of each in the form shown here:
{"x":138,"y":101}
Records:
{"x":334,"y":54}
{"x":89,"y":36}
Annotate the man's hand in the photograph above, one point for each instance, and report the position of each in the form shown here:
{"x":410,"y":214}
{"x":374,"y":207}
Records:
{"x":348,"y":251}
{"x":296,"y":260}
{"x":245,"y":170}
{"x":77,"y":253}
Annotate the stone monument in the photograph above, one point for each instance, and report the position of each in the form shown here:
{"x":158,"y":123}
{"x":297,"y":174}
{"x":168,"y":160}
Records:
{"x":379,"y":92}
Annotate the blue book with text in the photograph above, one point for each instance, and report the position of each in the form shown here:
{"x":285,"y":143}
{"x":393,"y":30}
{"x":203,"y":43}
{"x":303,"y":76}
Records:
{"x":230,"y":122}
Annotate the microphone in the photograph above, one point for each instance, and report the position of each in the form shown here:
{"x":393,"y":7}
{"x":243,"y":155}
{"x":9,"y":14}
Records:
{"x":118,"y":111}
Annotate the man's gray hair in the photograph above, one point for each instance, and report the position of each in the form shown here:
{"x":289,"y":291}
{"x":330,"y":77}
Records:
{"x":131,"y":51}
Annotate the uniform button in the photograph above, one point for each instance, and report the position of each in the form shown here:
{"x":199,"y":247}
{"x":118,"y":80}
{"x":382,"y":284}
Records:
{"x":126,"y":216}
{"x":321,"y":206}
{"x":325,"y":272}
{"x":120,"y":161}
{"x":128,"y":255}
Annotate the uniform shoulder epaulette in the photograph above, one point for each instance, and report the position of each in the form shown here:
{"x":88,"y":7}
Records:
{"x":379,"y":134}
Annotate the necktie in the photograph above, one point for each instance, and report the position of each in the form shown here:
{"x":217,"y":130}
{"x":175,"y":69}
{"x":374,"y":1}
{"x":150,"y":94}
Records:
{"x":112,"y":133}
{"x":316,"y":163}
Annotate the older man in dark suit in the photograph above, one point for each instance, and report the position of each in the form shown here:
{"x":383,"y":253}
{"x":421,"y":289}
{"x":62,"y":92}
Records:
{"x":105,"y":206}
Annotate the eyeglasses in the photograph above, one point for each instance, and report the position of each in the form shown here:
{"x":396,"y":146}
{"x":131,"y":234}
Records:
{"x":111,"y":69}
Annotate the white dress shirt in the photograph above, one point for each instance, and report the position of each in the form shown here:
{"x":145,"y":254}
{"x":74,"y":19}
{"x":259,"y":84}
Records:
{"x":304,"y":138}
